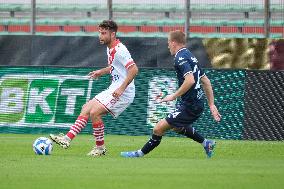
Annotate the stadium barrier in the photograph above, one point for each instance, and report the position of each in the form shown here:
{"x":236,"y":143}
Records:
{"x":48,"y":100}
{"x":86,"y":51}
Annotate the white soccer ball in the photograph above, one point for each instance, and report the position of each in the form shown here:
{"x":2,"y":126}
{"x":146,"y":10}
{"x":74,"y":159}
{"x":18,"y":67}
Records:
{"x":42,"y":146}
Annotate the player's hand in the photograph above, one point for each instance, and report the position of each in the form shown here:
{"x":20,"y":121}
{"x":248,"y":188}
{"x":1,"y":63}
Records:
{"x":168,"y":98}
{"x":95,"y":74}
{"x":118,"y":92}
{"x":215,"y":113}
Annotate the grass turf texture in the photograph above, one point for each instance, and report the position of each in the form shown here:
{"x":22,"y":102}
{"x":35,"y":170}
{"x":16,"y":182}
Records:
{"x":176,"y":163}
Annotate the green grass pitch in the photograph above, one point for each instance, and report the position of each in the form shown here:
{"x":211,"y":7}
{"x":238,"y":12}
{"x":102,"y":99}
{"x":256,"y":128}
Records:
{"x":176,"y":163}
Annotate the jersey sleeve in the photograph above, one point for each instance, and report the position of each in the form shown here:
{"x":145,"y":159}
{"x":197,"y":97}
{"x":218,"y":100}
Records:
{"x":184,"y":66}
{"x":125,"y":58}
{"x":202,"y":73}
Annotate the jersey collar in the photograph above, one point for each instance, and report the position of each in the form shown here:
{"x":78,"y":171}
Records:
{"x":110,"y":50}
{"x":115,"y":43}
{"x":180,"y":50}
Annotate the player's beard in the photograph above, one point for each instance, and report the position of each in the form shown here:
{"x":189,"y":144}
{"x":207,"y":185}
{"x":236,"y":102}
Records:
{"x":106,"y":41}
{"x":102,"y":42}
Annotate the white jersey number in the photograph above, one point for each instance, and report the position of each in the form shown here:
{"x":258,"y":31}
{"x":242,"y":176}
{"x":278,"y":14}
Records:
{"x":197,"y":86}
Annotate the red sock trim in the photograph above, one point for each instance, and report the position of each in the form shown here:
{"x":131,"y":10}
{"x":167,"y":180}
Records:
{"x":100,"y":143}
{"x":75,"y":129}
{"x":70,"y":135}
{"x":83,"y":117}
{"x":98,"y":124}
{"x":100,"y":133}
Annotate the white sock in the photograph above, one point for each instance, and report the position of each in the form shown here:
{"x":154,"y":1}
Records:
{"x":67,"y":138}
{"x":204,"y":142}
{"x":140,"y":153}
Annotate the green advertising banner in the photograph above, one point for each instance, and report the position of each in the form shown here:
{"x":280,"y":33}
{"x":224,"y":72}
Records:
{"x":38,"y":100}
{"x":13,"y":98}
{"x":42,"y":100}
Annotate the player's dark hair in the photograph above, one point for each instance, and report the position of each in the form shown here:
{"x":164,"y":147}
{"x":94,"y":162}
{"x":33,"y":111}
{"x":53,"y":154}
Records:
{"x":108,"y":25}
{"x":177,"y":36}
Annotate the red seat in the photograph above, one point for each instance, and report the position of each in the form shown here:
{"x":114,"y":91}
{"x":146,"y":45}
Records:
{"x":253,"y":30}
{"x":16,"y":28}
{"x":47,"y":28}
{"x":147,"y":29}
{"x":71,"y":28}
{"x":127,"y":29}
{"x":91,"y":28}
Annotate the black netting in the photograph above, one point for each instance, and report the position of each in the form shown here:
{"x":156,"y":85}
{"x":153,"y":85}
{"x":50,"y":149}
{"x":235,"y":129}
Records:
{"x":264,"y":106}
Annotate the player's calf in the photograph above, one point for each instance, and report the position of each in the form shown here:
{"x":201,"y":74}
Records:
{"x":153,"y":142}
{"x":190,"y":132}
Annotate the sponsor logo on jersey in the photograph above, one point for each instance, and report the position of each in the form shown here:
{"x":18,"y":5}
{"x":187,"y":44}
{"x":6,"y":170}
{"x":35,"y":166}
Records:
{"x":183,"y":62}
{"x":180,"y":58}
{"x":194,"y":59}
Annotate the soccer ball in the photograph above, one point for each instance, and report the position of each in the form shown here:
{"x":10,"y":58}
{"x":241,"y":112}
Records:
{"x":42,"y":146}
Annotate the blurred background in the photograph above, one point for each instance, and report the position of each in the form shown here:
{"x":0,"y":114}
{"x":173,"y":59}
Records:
{"x":235,"y":33}
{"x":203,"y":18}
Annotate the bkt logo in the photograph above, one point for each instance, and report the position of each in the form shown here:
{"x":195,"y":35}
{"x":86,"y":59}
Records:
{"x":38,"y":99}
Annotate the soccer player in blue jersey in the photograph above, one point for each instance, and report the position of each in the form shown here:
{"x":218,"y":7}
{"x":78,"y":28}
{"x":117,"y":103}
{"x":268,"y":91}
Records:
{"x":190,"y":77}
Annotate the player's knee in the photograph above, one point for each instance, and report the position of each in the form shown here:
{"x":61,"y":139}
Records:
{"x":158,"y":131}
{"x":161,"y":127}
{"x":94,"y":113}
{"x":84,"y":112}
{"x":179,"y":130}
{"x":86,"y":108}
{"x":188,"y":131}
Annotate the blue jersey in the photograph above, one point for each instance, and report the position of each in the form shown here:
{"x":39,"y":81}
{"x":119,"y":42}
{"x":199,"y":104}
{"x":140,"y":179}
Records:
{"x":186,"y":63}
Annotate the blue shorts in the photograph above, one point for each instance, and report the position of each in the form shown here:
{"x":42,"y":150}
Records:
{"x":185,"y":114}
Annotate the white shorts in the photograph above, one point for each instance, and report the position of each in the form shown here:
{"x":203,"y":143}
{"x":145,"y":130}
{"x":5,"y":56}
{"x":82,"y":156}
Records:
{"x":115,"y":106}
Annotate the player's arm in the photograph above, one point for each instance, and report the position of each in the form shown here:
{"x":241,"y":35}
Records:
{"x":206,"y":84}
{"x":97,"y":73}
{"x":187,"y":84}
{"x":131,"y":73}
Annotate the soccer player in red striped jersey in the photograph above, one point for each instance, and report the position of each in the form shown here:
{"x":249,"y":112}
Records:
{"x":114,"y":100}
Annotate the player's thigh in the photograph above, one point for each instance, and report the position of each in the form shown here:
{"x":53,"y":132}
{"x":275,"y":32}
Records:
{"x":86,"y":108}
{"x":161,"y":127}
{"x":97,"y":109}
{"x":115,"y":106}
{"x":184,"y":116}
{"x":93,"y":107}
